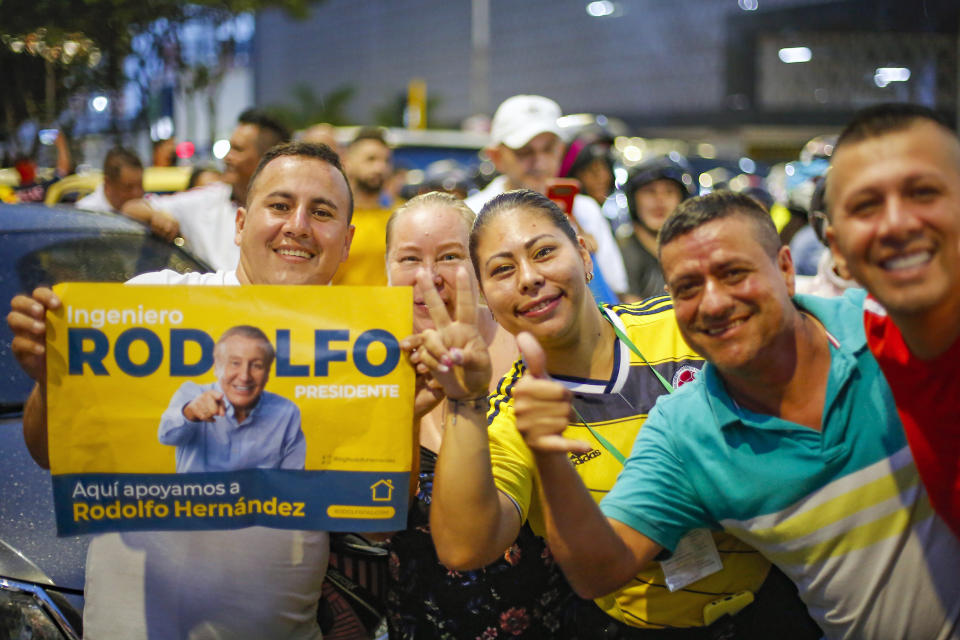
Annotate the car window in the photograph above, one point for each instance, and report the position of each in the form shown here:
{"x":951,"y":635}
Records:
{"x":32,"y":259}
{"x":106,"y":258}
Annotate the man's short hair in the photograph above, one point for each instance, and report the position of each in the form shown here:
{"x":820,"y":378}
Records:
{"x":370,"y":133}
{"x":246,"y":331}
{"x":271,"y":131}
{"x":118,"y":158}
{"x":887,"y":118}
{"x":698,"y":211}
{"x":307,"y":150}
{"x":883,"y":119}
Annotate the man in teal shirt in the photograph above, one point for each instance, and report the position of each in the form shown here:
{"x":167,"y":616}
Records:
{"x":789,"y":439}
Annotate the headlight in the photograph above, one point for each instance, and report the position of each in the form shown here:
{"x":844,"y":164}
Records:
{"x":28,"y":613}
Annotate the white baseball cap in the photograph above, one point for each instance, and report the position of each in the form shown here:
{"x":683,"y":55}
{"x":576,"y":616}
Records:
{"x":521,"y":118}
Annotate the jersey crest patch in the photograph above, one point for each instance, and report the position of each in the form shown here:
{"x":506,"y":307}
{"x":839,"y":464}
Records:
{"x":684,"y":375}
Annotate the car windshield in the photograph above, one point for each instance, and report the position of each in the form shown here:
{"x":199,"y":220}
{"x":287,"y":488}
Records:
{"x":46,"y":257}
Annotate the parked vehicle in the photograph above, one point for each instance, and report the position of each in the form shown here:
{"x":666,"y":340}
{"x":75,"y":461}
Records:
{"x":41,"y":575}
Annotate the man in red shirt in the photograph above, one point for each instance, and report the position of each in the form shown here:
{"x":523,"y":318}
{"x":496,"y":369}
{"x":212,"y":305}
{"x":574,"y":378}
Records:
{"x":893,"y":197}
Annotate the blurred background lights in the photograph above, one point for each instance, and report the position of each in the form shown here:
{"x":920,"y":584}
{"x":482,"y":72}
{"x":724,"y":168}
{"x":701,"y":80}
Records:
{"x":739,"y":183}
{"x":600,"y":8}
{"x":706,"y":181}
{"x":706,"y":150}
{"x":162,"y":128}
{"x":221,"y":148}
{"x":748,"y":5}
{"x":747,"y":165}
{"x":185,"y":149}
{"x":791,"y":55}
{"x":99,"y":103}
{"x":633,"y":154}
{"x":885,"y":75}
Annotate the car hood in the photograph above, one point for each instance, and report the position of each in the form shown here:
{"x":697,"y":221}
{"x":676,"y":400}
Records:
{"x":14,"y":564}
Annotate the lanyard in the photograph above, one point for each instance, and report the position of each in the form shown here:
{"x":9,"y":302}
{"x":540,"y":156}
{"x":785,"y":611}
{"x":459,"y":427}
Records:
{"x":606,"y":444}
{"x":633,"y":347}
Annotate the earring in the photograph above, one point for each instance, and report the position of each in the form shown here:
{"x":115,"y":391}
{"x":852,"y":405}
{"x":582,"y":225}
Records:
{"x":589,"y":276}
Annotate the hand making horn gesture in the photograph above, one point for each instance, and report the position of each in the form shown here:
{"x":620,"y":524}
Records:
{"x":454,"y":353}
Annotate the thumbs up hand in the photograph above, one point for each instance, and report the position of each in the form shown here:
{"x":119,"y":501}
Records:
{"x":542,"y":406}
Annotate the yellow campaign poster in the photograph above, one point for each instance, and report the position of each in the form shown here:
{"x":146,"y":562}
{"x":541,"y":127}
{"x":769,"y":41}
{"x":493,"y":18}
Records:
{"x":217,"y":407}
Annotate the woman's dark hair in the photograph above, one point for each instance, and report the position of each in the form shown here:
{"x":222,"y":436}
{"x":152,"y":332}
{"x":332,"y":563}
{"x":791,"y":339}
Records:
{"x":582,"y":154}
{"x":521,"y":198}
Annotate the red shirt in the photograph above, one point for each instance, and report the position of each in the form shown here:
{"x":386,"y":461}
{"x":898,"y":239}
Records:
{"x":927,"y":393}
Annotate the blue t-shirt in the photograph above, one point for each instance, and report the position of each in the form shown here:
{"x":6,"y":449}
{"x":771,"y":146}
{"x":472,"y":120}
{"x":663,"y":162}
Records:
{"x":841,"y":511}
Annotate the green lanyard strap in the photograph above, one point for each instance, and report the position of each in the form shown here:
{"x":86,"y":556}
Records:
{"x":633,"y":347}
{"x":606,"y":444}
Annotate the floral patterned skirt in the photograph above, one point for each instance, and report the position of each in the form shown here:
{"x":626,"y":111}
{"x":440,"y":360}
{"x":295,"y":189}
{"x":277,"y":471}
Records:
{"x":522,"y":595}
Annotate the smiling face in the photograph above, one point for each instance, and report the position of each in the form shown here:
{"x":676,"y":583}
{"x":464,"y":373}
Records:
{"x":731,"y":298}
{"x":296,"y":228}
{"x":243,"y":368}
{"x":435,"y":238}
{"x":533,"y":277}
{"x":895,"y":216}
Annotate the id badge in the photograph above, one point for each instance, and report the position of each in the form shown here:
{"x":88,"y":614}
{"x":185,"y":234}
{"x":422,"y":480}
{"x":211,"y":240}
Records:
{"x":695,"y":557}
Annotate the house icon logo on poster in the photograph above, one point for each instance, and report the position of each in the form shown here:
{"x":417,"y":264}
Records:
{"x":382,"y":490}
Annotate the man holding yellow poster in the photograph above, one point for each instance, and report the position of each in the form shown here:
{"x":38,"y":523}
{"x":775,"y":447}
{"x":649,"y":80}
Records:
{"x":253,"y":582}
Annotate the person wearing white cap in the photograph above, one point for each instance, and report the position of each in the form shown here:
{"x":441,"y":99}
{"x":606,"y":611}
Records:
{"x":527,"y":149}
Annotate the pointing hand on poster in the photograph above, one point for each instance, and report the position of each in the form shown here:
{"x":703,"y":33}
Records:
{"x":205,"y":407}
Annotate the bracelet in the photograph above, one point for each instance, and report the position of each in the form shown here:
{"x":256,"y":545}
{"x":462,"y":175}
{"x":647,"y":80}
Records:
{"x":479,"y":405}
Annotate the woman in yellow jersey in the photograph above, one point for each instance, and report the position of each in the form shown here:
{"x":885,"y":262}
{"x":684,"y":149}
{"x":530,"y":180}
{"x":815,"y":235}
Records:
{"x":613,"y":363}
{"x":520,"y":594}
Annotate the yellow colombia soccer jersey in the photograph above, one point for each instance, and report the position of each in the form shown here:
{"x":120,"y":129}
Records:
{"x":616,"y":409}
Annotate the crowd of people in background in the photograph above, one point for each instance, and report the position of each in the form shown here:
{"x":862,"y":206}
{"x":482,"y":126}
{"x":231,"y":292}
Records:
{"x":657,"y":429}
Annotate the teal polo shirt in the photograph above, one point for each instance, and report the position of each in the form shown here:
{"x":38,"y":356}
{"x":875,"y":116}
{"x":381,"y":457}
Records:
{"x":819,"y":504}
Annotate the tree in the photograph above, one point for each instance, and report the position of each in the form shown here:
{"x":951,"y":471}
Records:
{"x":307,"y":109}
{"x":111,"y":27}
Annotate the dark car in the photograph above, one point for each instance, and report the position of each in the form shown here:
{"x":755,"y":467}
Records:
{"x":41,"y":575}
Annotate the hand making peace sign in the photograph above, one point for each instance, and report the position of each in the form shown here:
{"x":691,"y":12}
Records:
{"x":454,"y":352}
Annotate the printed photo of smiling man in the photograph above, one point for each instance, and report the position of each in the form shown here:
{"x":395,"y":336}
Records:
{"x":233,"y":423}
